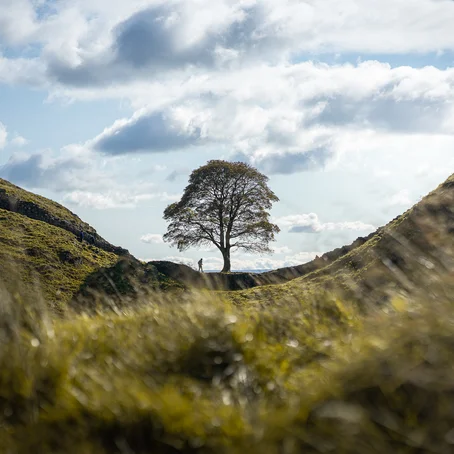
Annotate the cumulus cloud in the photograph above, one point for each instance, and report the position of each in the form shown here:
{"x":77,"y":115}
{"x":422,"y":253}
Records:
{"x":17,"y":21}
{"x":114,"y":199}
{"x":97,"y":43}
{"x":281,"y":249}
{"x":26,"y":71}
{"x":42,"y":169}
{"x":152,"y":238}
{"x":176,"y":39}
{"x":288,"y":119}
{"x":19,"y":141}
{"x":81,"y":179}
{"x":149,"y":132}
{"x":310,"y":223}
{"x":107,"y":43}
{"x":291,"y":162}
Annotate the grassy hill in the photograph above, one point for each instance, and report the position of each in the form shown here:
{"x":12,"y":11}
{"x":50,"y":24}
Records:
{"x":41,"y":247}
{"x":47,"y":256}
{"x":413,"y":251}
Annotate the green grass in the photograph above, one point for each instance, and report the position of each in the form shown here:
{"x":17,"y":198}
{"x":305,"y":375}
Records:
{"x":47,"y":255}
{"x":200,"y":374}
{"x":412,"y":251}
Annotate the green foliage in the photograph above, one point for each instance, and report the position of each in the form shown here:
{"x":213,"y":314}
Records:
{"x":225,"y":204}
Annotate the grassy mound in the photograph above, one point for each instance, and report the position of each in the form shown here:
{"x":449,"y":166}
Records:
{"x":122,"y":284}
{"x":41,"y":254}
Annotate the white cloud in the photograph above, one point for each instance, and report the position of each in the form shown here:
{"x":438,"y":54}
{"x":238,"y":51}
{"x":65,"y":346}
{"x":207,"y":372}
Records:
{"x":114,"y":199}
{"x":152,"y":132}
{"x":152,"y":238}
{"x":310,"y":223}
{"x":401,"y":198}
{"x":286,"y":118}
{"x":3,"y":135}
{"x":19,"y":141}
{"x":17,"y":21}
{"x":82,"y":178}
{"x":26,"y":71}
{"x":73,"y":169}
{"x":87,"y":41}
{"x":93,"y":42}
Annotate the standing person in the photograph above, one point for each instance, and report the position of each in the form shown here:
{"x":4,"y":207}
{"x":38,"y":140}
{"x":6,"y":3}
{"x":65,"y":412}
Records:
{"x":200,"y":263}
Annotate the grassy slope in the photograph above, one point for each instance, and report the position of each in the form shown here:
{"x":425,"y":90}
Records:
{"x":396,"y":259}
{"x":36,"y":249}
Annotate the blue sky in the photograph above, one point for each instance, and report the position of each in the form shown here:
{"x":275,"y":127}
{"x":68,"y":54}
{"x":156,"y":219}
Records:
{"x":347,"y":106}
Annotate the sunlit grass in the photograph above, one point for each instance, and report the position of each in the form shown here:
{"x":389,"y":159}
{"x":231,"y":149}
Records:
{"x":204,"y":374}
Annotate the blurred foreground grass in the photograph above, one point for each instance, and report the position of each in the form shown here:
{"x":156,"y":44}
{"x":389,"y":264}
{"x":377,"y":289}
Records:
{"x":199,"y":373}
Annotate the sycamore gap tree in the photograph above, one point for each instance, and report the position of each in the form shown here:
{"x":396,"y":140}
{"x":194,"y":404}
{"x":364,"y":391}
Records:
{"x":225,"y":204}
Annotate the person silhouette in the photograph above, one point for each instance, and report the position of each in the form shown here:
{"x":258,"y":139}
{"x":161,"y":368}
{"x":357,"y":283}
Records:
{"x":200,"y":263}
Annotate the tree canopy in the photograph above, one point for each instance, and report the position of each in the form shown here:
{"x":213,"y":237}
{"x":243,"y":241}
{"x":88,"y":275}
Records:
{"x":225,"y":204}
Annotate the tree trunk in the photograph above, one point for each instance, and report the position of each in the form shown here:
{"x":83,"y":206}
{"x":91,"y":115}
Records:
{"x":226,"y":257}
